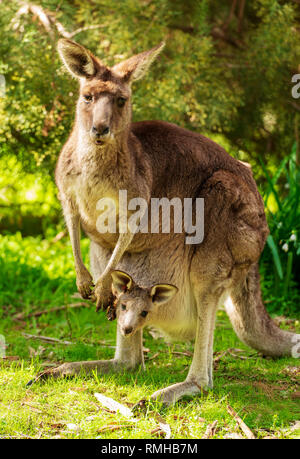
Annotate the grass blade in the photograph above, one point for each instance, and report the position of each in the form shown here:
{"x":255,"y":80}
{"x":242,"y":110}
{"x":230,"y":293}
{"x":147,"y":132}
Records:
{"x":276,"y":258}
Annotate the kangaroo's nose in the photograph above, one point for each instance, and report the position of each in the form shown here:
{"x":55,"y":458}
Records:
{"x":127,"y":330}
{"x":100,"y":130}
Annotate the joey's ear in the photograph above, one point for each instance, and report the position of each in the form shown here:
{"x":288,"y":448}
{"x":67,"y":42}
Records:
{"x":137,"y":66}
{"x":79,"y":61}
{"x":121,"y":282}
{"x":161,"y":293}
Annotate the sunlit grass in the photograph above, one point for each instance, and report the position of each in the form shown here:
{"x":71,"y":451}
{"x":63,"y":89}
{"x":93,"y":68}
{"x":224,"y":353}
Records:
{"x":37,"y":275}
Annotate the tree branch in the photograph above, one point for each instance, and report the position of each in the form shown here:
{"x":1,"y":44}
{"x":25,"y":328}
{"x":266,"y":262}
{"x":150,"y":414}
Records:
{"x":48,"y":21}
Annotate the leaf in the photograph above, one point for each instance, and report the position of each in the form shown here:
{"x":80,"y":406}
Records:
{"x":276,"y":258}
{"x":234,"y":436}
{"x":71,"y":426}
{"x":113,"y":405}
{"x":166,"y":429}
{"x":271,"y":183}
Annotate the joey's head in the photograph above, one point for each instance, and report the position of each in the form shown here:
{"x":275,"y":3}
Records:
{"x":104,"y":104}
{"x":135,"y":304}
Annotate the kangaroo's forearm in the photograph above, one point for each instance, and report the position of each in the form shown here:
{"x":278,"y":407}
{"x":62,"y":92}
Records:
{"x":123,"y":242}
{"x":73,"y":225}
{"x":84,"y":280}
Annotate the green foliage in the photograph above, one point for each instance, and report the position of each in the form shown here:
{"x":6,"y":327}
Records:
{"x":282,"y":201}
{"x":28,"y":201}
{"x":219,"y":73}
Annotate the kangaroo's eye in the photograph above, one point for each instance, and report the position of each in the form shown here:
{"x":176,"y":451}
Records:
{"x":123,"y":307}
{"x":121,"y":101}
{"x":88,"y":98}
{"x":144,"y":313}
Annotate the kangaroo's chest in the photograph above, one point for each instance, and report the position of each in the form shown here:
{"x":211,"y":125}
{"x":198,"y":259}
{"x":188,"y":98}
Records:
{"x":97,"y":201}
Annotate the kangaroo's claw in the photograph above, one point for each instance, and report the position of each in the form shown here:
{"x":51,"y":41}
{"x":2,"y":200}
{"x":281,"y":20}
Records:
{"x":40,"y":377}
{"x":141,"y":405}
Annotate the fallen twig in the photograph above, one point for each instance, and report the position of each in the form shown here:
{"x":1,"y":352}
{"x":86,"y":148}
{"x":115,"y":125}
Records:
{"x":219,"y":357}
{"x":210,"y":430}
{"x":32,"y":408}
{"x":113,"y":427}
{"x":248,"y":432}
{"x":46,"y":339}
{"x":153,"y":356}
{"x":11,"y":357}
{"x":185,"y":353}
{"x":21,"y":315}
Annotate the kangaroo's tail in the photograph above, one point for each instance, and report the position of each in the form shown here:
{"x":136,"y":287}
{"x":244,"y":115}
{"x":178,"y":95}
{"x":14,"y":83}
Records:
{"x":252,"y":323}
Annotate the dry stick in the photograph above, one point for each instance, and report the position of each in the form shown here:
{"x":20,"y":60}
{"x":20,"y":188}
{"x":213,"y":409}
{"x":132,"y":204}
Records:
{"x":186,"y":353}
{"x":59,"y":236}
{"x":115,"y":427}
{"x":153,"y":356}
{"x":219,"y":357}
{"x":231,"y":14}
{"x":210,"y":430}
{"x":241,"y":15}
{"x":21,"y":315}
{"x":243,"y":426}
{"x":46,"y":339}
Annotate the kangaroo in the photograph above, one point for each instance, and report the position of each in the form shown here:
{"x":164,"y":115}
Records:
{"x":106,"y":153}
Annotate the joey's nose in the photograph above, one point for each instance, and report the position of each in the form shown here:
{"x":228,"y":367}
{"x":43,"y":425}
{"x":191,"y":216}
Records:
{"x":100,"y":130}
{"x":127,"y":330}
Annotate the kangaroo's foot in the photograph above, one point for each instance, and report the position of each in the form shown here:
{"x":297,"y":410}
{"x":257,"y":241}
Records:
{"x":169,"y":395}
{"x":84,"y":282}
{"x":73,"y":368}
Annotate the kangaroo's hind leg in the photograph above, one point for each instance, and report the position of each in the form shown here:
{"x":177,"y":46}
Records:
{"x":199,"y":373}
{"x":128,"y":356}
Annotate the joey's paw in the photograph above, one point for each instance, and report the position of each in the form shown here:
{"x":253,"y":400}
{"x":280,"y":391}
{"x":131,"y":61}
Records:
{"x":85,"y":285}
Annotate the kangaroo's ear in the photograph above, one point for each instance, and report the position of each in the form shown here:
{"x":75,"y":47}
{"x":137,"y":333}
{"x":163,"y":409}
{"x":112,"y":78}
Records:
{"x":161,"y":293}
{"x":79,"y":61}
{"x":121,"y":282}
{"x":137,"y":66}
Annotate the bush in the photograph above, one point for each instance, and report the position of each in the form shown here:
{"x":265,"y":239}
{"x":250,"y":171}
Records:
{"x":221,"y":72}
{"x":282,"y":253}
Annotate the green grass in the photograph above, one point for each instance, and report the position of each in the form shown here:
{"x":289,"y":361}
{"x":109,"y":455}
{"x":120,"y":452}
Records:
{"x":38,"y":274}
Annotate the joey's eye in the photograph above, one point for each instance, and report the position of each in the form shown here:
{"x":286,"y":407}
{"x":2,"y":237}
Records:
{"x":144,"y":313}
{"x":123,"y":307}
{"x":121,"y":101}
{"x":88,"y":98}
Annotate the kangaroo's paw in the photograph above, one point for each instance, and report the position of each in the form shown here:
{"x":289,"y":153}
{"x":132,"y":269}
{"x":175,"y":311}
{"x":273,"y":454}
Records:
{"x":140,"y":407}
{"x":102,"y":293}
{"x":169,"y":395}
{"x":84,"y":282}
